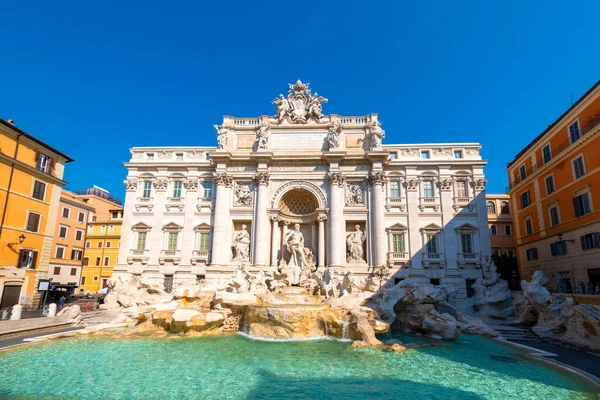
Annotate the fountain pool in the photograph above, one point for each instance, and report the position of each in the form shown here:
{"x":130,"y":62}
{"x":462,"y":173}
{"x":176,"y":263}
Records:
{"x":234,"y":367}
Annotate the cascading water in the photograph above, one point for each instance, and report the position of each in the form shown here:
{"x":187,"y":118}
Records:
{"x":345,"y":330}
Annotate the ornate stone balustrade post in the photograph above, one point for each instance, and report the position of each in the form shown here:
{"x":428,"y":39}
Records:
{"x":321,"y":249}
{"x":221,"y":250}
{"x":336,"y":217}
{"x":274,"y":240}
{"x":377,"y":180}
{"x":261,"y":241}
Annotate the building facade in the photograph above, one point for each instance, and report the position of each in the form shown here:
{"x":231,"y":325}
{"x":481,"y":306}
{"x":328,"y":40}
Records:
{"x":500,"y":222}
{"x":30,"y":184}
{"x":555,"y":197}
{"x":101,"y":250}
{"x":326,"y":184}
{"x":69,"y":238}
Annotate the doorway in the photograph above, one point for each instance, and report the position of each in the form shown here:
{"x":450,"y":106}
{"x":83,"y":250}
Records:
{"x":10,"y":296}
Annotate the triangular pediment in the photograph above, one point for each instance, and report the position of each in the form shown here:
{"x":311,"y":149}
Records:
{"x":140,"y":226}
{"x":202,"y":227}
{"x":432,"y":227}
{"x":172,"y":226}
{"x":466,"y":227}
{"x":397,"y":227}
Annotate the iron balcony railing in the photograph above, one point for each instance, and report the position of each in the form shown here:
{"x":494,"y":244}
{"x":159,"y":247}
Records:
{"x":585,"y":129}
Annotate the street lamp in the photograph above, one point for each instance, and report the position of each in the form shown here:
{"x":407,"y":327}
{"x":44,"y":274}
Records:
{"x":21,"y":238}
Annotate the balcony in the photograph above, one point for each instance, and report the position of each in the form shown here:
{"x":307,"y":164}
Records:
{"x":464,"y":259}
{"x":204,"y":203}
{"x":429,"y":202}
{"x":138,"y":255}
{"x":199,"y":256}
{"x":175,"y":203}
{"x":173,"y":256}
{"x":397,"y":257}
{"x":461,"y":202}
{"x":144,"y":202}
{"x":436,"y":260}
{"x":586,"y":128}
{"x":395,"y":202}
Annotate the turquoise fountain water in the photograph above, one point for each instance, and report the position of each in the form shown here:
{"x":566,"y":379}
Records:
{"x":233,"y":367}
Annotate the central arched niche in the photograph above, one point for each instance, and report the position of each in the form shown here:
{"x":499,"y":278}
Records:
{"x":298,"y":202}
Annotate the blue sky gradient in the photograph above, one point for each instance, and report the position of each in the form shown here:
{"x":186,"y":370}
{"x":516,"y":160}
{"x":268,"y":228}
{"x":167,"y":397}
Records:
{"x":94,"y":79}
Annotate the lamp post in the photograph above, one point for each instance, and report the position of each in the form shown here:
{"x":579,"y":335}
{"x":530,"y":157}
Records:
{"x":21,"y":238}
{"x":563,"y":243}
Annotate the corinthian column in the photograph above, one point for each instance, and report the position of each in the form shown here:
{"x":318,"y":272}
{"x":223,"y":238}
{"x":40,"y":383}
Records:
{"x":261,"y":239}
{"x":336,"y":216}
{"x":377,"y":180}
{"x":274,"y":241}
{"x":321,"y":249}
{"x":220,"y":245}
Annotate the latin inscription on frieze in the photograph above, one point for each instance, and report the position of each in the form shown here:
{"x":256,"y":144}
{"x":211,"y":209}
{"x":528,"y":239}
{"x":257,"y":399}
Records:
{"x":301,"y":140}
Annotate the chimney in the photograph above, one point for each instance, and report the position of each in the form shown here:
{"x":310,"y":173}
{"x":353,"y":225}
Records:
{"x":11,"y":121}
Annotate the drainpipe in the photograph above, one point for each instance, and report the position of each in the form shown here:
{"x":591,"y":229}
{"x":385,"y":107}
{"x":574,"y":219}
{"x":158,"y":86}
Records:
{"x":12,"y":170}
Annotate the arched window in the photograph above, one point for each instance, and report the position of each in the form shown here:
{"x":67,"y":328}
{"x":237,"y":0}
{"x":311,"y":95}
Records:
{"x":491,"y":207}
{"x":504,"y":208}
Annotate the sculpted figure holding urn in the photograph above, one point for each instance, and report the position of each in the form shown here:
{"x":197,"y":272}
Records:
{"x":355,"y":243}
{"x":262,"y":137}
{"x":333,"y":135}
{"x":242,"y":244}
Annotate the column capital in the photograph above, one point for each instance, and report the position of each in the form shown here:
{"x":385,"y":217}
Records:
{"x":412,"y":184}
{"x":131,"y":185}
{"x":284,"y":222}
{"x":445,"y":184}
{"x":191,"y":184}
{"x":377,"y":178}
{"x":274,"y":218}
{"x":322,"y":218}
{"x":261,"y":178}
{"x":223,"y":179}
{"x":336,"y":178}
{"x":479,"y":184}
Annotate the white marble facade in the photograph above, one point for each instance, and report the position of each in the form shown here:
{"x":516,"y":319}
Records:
{"x":195,"y":212}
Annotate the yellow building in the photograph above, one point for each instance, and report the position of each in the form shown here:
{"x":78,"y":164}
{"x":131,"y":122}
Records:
{"x":31,"y":175}
{"x":101,"y":250}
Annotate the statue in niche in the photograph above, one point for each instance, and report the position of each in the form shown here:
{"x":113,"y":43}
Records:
{"x":333,"y":135}
{"x":221,"y":136}
{"x":354,"y":195}
{"x":355,"y":243}
{"x":295,"y":245}
{"x":262,"y":137}
{"x":242,"y":244}
{"x":243,"y":196}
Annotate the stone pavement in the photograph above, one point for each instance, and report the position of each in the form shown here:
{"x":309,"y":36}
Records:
{"x":31,"y":324}
{"x":18,"y":339}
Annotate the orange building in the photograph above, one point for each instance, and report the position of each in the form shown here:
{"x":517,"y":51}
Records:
{"x":555,"y":197}
{"x":66,"y":257}
{"x":502,"y":240}
{"x":31,"y":175}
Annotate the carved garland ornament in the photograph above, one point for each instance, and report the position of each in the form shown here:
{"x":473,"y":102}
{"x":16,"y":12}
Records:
{"x":130,"y":184}
{"x":161,"y":183}
{"x":223,"y":179}
{"x":336,"y":178}
{"x":191,"y":184}
{"x":261,"y":178}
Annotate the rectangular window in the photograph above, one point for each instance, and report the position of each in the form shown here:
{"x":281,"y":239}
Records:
{"x":99,"y":244}
{"x":496,"y":252}
{"x":461,"y":189}
{"x":427,"y":188}
{"x":425,"y":154}
{"x":172,"y":241}
{"x":522,"y":172}
{"x":33,"y":222}
{"x":62,"y":232}
{"x":202,"y":241}
{"x":106,"y":261}
{"x":108,"y":243}
{"x":39,"y":190}
{"x":395,"y":189}
{"x":207,"y":189}
{"x":532,"y":254}
{"x":578,"y":167}
{"x":73,"y":271}
{"x":147,"y":189}
{"x":88,"y":244}
{"x":86,"y":261}
{"x":507,"y":230}
{"x":141,"y":241}
{"x":458,"y":154}
{"x":27,"y":259}
{"x":432,"y":243}
{"x":547,"y":154}
{"x":66,"y":212}
{"x":44,"y":163}
{"x":554,"y":216}
{"x":95,"y":279}
{"x":111,"y":228}
{"x":83,"y":280}
{"x":558,"y":248}
{"x":549,"y":184}
{"x":466,"y":241}
{"x":528,"y":226}
{"x":398,"y":242}
{"x":81,"y":217}
{"x":525,"y":199}
{"x":103,"y":229}
{"x":581,"y":204}
{"x":469,"y":283}
{"x":75,"y":254}
{"x":56,"y":270}
{"x":179,"y":156}
{"x":574,"y":133}
{"x":90,"y":228}
{"x":97,"y":261}
{"x":60,"y":252}
{"x":79,"y":234}
{"x":177,"y":188}
{"x":493,"y":230}
{"x":590,"y":241}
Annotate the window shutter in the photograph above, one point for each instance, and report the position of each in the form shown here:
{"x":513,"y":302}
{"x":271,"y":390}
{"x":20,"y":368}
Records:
{"x":38,"y":156}
{"x":576,"y":207}
{"x":34,"y":260}
{"x":51,"y":166}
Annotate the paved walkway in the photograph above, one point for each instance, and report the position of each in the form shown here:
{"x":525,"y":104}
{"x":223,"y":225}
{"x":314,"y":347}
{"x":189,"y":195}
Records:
{"x":17,"y":339}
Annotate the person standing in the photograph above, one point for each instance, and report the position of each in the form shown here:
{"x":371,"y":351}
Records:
{"x":61,"y":302}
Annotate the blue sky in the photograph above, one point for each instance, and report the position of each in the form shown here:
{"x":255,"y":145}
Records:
{"x":94,"y":79}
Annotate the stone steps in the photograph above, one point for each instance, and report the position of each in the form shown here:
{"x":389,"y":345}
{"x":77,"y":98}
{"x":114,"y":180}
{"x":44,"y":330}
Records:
{"x":515,"y":333}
